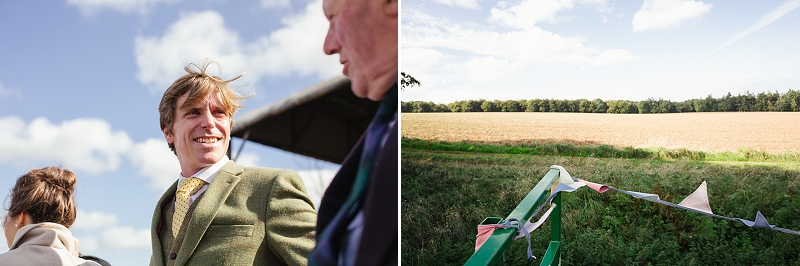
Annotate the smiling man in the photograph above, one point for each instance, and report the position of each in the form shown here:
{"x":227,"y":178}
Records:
{"x":218,"y":212}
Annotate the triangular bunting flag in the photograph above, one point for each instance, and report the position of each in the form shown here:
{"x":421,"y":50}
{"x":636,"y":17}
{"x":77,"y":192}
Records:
{"x":597,"y":187}
{"x":761,"y":222}
{"x":484,"y":232}
{"x":563,"y":175}
{"x":640,"y":195}
{"x":566,"y":187}
{"x":698,"y":200}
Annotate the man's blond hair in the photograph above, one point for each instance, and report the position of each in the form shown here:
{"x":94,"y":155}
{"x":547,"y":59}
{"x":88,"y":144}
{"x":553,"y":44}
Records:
{"x":199,"y":85}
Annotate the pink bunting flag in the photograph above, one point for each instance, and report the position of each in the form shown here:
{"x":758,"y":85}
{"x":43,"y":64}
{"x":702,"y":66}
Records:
{"x":698,"y":200}
{"x":597,"y":187}
{"x":484,"y":232}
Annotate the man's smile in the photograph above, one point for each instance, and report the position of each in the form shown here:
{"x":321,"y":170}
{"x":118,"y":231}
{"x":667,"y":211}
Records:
{"x":206,"y":139}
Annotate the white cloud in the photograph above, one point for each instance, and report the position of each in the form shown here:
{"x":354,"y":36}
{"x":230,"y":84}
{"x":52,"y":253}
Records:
{"x":527,"y":45}
{"x":125,"y":238}
{"x":86,"y":144}
{"x":316,"y":181}
{"x":88,"y":244}
{"x":112,"y":237}
{"x":10,"y":92}
{"x":161,"y":60}
{"x":767,"y":19}
{"x":527,"y":13}
{"x":470,"y":4}
{"x":295,"y":49}
{"x":274,"y":3}
{"x":420,"y":60}
{"x":423,"y":64}
{"x":93,"y":220}
{"x":91,"y":7}
{"x":155,"y":161}
{"x":488,"y":68}
{"x":450,"y":58}
{"x":665,"y":14}
{"x":248,"y":159}
{"x":118,"y":237}
{"x":121,"y":237}
{"x":611,"y":57}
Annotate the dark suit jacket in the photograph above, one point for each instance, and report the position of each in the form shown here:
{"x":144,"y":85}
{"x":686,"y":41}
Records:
{"x":246,"y":216}
{"x":378,"y":244}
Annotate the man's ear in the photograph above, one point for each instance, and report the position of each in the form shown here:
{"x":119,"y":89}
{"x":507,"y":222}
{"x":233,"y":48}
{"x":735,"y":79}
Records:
{"x":170,"y":139}
{"x":391,"y":8}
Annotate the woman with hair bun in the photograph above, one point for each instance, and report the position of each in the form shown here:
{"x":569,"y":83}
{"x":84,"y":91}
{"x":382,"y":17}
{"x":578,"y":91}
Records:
{"x":42,"y":208}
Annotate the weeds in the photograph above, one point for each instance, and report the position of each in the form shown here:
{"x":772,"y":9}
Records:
{"x":598,"y":151}
{"x":448,"y":188}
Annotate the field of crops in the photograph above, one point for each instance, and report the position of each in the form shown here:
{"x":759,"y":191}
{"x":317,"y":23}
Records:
{"x":772,"y":132}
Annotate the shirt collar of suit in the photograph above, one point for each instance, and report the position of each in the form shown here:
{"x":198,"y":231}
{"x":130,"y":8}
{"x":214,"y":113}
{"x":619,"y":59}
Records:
{"x":207,"y":174}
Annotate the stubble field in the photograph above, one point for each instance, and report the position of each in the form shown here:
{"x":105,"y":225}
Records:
{"x":771,"y":132}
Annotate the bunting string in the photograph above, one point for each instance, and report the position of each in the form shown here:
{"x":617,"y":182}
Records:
{"x":696,"y":202}
{"x":486,"y":230}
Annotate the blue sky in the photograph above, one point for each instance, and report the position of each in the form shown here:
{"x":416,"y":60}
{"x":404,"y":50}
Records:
{"x":572,"y":49}
{"x":80,"y":82}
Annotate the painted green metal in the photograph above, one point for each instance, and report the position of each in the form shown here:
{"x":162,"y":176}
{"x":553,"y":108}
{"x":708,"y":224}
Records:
{"x":553,"y":254}
{"x":491,"y":252}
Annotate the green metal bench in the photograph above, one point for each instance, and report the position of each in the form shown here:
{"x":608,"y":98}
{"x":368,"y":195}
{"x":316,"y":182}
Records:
{"x":491,"y":252}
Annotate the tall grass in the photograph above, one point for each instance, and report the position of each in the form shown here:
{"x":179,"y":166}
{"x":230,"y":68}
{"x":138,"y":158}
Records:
{"x":599,"y":151}
{"x":446,"y":193}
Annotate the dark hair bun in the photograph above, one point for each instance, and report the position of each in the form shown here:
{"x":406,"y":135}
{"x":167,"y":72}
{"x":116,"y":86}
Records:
{"x":46,"y":195}
{"x":61,"y":179}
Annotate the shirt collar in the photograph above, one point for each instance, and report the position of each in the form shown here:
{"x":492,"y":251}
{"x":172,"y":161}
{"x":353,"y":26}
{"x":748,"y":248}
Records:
{"x":208,"y":173}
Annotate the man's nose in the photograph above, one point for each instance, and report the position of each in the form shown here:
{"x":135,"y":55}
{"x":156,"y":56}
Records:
{"x":207,"y":120}
{"x":331,"y":46}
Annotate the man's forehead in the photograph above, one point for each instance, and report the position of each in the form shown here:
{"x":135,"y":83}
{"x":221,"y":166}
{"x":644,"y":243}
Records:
{"x":213,"y":98}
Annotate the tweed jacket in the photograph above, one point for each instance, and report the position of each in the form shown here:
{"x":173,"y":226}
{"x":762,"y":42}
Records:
{"x":378,"y":244}
{"x":43,"y":244}
{"x":246,"y":216}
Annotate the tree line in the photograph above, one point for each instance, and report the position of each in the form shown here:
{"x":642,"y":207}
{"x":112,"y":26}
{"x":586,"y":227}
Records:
{"x":749,"y":102}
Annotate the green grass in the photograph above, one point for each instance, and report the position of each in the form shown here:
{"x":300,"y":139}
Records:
{"x":447,"y":189}
{"x":787,"y":159}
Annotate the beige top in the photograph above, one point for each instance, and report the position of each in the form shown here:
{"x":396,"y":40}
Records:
{"x":43,"y":244}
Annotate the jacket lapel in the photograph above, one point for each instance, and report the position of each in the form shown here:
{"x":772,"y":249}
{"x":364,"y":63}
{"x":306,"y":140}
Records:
{"x":339,"y":188}
{"x":155,"y":227}
{"x":207,"y":206}
{"x":378,"y":244}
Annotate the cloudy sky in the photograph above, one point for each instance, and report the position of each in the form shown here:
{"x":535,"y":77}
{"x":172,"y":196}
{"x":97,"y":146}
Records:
{"x":572,"y":49}
{"x":80,"y":81}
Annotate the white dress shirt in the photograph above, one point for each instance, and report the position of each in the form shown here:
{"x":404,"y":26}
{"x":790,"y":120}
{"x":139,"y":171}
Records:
{"x":207,"y":174}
